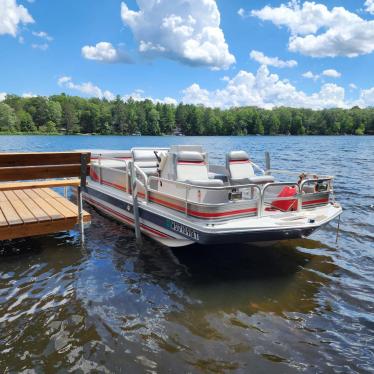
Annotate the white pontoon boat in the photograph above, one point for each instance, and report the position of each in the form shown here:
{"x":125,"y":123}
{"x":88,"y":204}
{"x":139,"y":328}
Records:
{"x":177,"y":197}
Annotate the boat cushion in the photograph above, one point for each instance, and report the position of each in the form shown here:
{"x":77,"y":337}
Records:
{"x":239,"y":165}
{"x":141,"y":155}
{"x":238,"y":155}
{"x":191,"y":165}
{"x":190,"y":156}
{"x":205,"y":182}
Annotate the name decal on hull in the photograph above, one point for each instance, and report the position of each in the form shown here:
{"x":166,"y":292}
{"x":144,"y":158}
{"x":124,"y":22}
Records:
{"x":182,"y":229}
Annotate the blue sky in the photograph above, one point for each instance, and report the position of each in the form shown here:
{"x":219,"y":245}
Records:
{"x":219,"y":53}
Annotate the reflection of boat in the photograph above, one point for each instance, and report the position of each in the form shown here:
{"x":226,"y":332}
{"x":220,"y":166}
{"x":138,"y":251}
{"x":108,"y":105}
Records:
{"x":183,"y":199}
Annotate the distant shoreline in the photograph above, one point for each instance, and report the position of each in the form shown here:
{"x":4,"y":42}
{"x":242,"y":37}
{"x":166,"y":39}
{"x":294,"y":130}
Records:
{"x":178,"y":136}
{"x":63,"y":114}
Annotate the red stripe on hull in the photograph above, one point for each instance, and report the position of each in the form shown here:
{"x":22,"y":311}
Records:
{"x":96,"y":178}
{"x":128,"y":219}
{"x":320,"y":201}
{"x":200,"y":214}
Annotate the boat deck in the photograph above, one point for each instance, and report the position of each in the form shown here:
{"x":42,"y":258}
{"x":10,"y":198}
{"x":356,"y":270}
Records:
{"x":26,"y":212}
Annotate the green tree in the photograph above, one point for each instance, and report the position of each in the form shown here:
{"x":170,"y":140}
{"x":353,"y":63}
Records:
{"x":167,"y":118}
{"x":119,"y":116}
{"x":297,"y":127}
{"x":69,"y":118}
{"x":153,"y":122}
{"x":55,"y":111}
{"x":25,"y":122}
{"x":39,"y":110}
{"x":8,"y":119}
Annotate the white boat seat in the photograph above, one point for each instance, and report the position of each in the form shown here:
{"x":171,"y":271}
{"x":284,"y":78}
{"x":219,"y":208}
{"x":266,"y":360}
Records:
{"x":217,"y":176}
{"x":205,"y":182}
{"x":146,"y":160}
{"x":241,"y":170}
{"x":191,"y":165}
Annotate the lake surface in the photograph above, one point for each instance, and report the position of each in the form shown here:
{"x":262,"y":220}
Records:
{"x":112,"y":306}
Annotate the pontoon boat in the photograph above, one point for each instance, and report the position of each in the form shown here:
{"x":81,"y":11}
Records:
{"x":177,"y":197}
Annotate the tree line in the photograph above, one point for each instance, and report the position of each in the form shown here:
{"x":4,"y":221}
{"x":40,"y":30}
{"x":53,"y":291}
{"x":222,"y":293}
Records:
{"x":75,"y":115}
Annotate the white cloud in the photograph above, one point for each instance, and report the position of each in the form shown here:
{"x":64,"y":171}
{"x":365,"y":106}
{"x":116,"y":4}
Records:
{"x":366,"y":98}
{"x":42,"y":47}
{"x":352,"y":86}
{"x":138,"y":95}
{"x":2,"y":96}
{"x":11,"y":16}
{"x":311,"y":75}
{"x":184,"y":30}
{"x":242,"y":13}
{"x":43,"y":35}
{"x":28,"y":95}
{"x":332,"y":73}
{"x":87,"y":88}
{"x":264,"y":90}
{"x":271,"y":61}
{"x":104,"y":52}
{"x":319,"y":32}
{"x":369,"y":6}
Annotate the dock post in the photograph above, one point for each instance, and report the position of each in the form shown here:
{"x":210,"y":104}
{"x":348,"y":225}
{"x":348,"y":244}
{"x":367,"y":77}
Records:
{"x":134,"y":191}
{"x":80,"y":213}
{"x":267,"y":163}
{"x":85,"y":160}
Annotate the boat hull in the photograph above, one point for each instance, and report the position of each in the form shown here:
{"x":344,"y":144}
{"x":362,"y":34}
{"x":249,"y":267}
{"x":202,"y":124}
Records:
{"x":175,"y":231}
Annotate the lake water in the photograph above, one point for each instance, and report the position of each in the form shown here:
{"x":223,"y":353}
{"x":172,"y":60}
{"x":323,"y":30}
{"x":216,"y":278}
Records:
{"x":112,"y":306}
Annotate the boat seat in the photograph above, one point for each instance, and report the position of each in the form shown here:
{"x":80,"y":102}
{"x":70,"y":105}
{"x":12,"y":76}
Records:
{"x":191,"y":165}
{"x":205,"y":183}
{"x":241,"y":170}
{"x":146,"y":160}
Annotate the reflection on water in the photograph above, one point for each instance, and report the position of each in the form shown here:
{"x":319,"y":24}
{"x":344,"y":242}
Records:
{"x":114,"y":306}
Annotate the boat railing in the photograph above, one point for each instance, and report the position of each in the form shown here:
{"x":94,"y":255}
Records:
{"x":190,"y":187}
{"x":262,"y":195}
{"x":266,"y":201}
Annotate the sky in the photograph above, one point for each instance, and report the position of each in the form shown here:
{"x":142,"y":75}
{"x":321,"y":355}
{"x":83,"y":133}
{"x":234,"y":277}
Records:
{"x":224,"y":53}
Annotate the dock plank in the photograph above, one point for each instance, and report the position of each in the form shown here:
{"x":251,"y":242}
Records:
{"x":67,"y":203}
{"x":9,"y":212}
{"x":38,"y":212}
{"x":22,"y":211}
{"x":3,"y":221}
{"x":40,"y":184}
{"x":36,"y":229}
{"x":50,"y":210}
{"x":67,"y":213}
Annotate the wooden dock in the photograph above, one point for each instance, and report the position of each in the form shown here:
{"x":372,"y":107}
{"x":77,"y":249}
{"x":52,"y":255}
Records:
{"x":32,"y":207}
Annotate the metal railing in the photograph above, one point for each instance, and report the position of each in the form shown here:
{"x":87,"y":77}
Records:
{"x":262,"y":201}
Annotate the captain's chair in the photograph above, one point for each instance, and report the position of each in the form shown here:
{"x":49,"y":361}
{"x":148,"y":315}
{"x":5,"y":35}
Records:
{"x":241,"y":170}
{"x":192,"y":168}
{"x":146,"y":160}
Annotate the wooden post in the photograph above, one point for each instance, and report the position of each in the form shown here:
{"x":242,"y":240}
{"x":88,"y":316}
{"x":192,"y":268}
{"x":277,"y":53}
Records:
{"x":134,"y":191}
